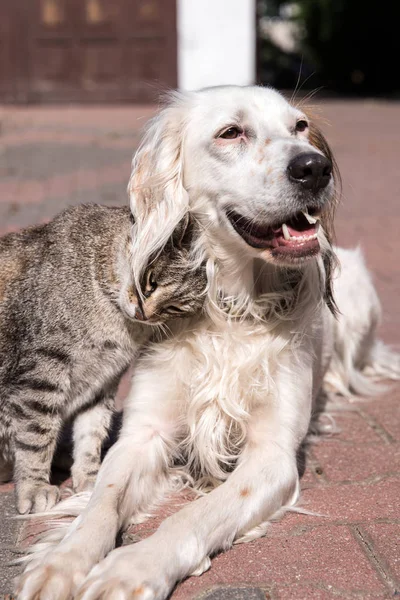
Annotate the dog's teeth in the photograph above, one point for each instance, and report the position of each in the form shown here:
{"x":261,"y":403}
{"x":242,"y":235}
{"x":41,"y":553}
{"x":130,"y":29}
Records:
{"x":286,"y":233}
{"x":309,"y":218}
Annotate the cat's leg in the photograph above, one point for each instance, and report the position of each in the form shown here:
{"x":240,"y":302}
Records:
{"x":133,"y":476}
{"x":90,"y":430}
{"x":34,"y":444}
{"x":36,"y":402}
{"x":36,"y":429}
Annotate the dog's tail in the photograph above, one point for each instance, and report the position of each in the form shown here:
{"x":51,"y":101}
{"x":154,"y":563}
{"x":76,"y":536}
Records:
{"x":57,"y":523}
{"x":349,"y":378}
{"x":360,"y":362}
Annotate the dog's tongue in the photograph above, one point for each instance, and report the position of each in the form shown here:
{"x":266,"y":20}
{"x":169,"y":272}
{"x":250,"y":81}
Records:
{"x":301,"y":225}
{"x":300,"y":232}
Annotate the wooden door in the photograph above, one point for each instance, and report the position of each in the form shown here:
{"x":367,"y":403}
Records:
{"x":90,"y":50}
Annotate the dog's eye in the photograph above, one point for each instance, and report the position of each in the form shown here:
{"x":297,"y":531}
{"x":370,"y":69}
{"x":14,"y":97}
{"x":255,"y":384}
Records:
{"x":231,"y":134}
{"x":301,"y":125}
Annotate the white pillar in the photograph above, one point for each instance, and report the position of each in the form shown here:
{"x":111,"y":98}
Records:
{"x":216,"y":43}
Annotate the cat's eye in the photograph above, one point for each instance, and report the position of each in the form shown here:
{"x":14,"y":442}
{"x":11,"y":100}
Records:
{"x":151,"y":284}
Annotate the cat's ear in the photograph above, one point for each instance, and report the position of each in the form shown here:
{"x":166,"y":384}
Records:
{"x":183,"y":233}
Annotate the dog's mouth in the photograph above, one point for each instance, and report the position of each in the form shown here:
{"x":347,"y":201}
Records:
{"x":297,"y":237}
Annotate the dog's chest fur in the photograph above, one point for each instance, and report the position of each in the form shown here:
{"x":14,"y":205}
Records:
{"x":223,"y":372}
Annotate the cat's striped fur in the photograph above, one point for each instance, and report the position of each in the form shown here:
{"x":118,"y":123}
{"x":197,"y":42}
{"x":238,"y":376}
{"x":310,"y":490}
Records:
{"x":67,"y":335}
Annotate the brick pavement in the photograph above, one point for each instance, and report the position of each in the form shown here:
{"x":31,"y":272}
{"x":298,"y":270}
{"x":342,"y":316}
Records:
{"x":52,"y":157}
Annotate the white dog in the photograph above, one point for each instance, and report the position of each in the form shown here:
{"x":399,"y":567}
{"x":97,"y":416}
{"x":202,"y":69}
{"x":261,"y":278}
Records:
{"x":229,"y":394}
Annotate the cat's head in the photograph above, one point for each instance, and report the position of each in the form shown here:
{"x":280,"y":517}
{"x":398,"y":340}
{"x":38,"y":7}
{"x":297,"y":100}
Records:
{"x":170,"y":287}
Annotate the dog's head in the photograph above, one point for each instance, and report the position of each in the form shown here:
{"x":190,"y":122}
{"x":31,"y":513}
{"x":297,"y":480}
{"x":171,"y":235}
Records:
{"x":247,"y":163}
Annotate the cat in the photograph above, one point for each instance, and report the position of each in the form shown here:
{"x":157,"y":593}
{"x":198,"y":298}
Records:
{"x":71,"y":322}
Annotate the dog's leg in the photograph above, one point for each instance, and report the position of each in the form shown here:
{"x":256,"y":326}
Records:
{"x":134,"y":475}
{"x":265,"y":480}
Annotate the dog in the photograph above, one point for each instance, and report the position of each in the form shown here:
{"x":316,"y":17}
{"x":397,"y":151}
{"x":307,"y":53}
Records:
{"x":225,"y":401}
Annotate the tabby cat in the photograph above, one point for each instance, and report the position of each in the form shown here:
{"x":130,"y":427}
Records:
{"x":70,"y":325}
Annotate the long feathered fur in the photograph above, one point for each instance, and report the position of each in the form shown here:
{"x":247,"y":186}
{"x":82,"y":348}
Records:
{"x":228,"y":394}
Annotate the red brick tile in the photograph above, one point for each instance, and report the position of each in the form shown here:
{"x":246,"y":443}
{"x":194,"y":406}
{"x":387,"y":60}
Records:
{"x":30,"y":191}
{"x":299,"y":591}
{"x":20,"y":138}
{"x":353,"y":428}
{"x":327,"y":556}
{"x":362,"y":503}
{"x":354,"y":462}
{"x":386,"y":540}
{"x":169,"y":507}
{"x":6,"y":487}
{"x":355,"y":503}
{"x":308,"y":478}
{"x":386,"y":411}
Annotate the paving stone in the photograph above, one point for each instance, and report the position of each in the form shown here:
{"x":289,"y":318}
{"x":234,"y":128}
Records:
{"x":320,"y":557}
{"x":355,"y":503}
{"x":387,"y":412}
{"x":298,"y":591}
{"x":386,"y":541}
{"x":235,"y":593}
{"x":9,"y":530}
{"x":354,"y":462}
{"x":353,"y":428}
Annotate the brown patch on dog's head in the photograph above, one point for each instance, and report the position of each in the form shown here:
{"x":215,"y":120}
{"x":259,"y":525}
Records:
{"x":244,"y":492}
{"x":318,"y":140}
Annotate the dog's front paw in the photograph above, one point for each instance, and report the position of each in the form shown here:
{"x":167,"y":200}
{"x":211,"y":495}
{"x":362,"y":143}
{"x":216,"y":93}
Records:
{"x":127,"y":573}
{"x":34,"y":497}
{"x":56,"y":577}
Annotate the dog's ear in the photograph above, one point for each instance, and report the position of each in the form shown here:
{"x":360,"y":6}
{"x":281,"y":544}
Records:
{"x":318,"y":140}
{"x":330,"y":263}
{"x":158,"y":198}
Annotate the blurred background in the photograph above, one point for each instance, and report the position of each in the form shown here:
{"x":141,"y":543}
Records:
{"x":129,"y":50}
{"x":344,"y":46}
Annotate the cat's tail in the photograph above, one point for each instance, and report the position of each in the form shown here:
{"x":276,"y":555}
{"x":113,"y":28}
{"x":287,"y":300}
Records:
{"x":57,"y":523}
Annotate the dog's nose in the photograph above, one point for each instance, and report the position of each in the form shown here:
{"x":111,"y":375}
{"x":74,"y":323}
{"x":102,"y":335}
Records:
{"x":311,"y":170}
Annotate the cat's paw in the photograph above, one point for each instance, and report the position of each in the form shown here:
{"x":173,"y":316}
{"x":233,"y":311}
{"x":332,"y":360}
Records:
{"x":82,"y":482}
{"x":34,"y":497}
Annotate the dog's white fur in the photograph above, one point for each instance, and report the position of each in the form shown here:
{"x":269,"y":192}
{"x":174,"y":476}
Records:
{"x":231,"y":392}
